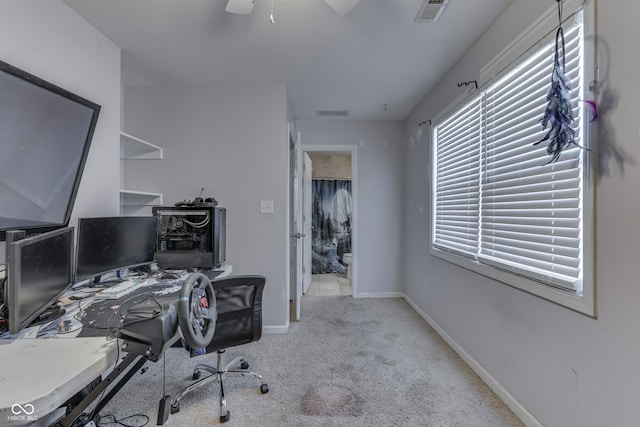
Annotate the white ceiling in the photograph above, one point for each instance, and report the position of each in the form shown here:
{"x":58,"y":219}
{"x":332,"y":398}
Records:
{"x":374,"y":55}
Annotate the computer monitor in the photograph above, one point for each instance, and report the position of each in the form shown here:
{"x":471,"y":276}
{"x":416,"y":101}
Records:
{"x":110,"y":243}
{"x":45,"y":133}
{"x":40,"y":269}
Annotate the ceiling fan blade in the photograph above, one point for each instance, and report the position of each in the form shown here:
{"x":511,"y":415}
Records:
{"x":342,"y":6}
{"x":240,"y":7}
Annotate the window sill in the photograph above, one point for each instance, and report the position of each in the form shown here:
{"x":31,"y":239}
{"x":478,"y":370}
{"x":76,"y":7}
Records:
{"x":582,"y":303}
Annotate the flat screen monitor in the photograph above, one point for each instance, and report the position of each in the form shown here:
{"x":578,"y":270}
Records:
{"x":40,"y":269}
{"x":45,"y":135}
{"x":110,"y":243}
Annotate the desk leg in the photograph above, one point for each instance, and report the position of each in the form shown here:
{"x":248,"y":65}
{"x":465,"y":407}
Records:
{"x":102,"y":386}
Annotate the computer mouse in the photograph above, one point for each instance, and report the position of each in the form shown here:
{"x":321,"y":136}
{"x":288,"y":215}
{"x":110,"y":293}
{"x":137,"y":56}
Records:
{"x":169,"y":276}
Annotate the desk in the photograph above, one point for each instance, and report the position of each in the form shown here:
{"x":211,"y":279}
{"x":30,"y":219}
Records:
{"x":46,"y":372}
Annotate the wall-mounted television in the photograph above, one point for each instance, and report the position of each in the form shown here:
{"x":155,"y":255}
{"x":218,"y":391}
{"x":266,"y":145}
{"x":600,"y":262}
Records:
{"x":45,"y":135}
{"x":111,"y":243}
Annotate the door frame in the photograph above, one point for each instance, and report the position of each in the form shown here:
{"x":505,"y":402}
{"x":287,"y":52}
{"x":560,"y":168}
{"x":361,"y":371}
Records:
{"x":307,"y":226}
{"x":353,"y":150}
{"x":294,"y":226}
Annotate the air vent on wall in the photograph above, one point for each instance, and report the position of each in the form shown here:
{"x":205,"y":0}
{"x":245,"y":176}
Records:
{"x":332,"y":113}
{"x":241,"y":7}
{"x":431,"y":10}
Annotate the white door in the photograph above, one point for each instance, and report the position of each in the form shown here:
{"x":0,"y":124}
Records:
{"x":307,"y":235}
{"x":295,"y":229}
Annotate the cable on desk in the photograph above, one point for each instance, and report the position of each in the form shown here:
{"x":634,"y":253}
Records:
{"x":110,"y":325}
{"x":141,"y":315}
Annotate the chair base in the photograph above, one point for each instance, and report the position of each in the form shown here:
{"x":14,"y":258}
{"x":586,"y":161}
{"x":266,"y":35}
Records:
{"x":219,"y":374}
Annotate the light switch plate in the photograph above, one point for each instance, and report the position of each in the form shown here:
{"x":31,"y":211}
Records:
{"x":266,"y":206}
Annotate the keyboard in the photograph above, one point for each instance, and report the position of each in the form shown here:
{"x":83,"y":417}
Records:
{"x":114,"y":292}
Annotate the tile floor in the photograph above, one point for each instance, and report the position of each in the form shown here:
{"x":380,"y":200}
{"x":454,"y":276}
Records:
{"x":329,"y":285}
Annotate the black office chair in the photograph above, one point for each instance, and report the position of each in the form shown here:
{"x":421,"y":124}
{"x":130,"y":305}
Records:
{"x":239,"y":321}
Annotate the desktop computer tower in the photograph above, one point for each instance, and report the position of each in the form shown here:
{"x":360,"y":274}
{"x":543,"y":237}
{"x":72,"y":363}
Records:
{"x":190,"y":236}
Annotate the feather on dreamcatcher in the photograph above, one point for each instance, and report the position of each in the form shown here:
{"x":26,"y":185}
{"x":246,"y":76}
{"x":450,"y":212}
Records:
{"x":558,"y":115}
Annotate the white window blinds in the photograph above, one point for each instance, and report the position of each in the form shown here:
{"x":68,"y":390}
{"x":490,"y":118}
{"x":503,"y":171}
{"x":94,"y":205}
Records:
{"x":531,"y":212}
{"x":457,"y":207}
{"x":496,"y":200}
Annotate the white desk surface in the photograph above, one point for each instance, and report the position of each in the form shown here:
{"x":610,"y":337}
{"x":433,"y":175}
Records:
{"x":45,"y":372}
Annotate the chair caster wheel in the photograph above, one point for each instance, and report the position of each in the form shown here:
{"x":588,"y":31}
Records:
{"x":264,"y":389}
{"x":175,"y":408}
{"x":244,"y":364}
{"x":196,"y":375}
{"x":224,"y":418}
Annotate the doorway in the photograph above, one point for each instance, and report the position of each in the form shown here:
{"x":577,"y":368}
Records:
{"x":330,"y":201}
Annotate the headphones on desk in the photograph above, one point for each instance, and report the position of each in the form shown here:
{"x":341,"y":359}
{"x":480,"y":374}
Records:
{"x":198,"y":202}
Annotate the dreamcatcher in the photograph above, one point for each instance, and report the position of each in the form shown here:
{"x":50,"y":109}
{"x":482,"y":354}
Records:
{"x":558,"y":115}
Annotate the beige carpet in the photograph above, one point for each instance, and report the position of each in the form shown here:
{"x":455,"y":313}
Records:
{"x":349,"y":362}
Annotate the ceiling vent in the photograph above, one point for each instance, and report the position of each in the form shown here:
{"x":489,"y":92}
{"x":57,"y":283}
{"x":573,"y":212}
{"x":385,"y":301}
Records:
{"x":332,"y":113}
{"x":241,"y":7}
{"x":431,"y":10}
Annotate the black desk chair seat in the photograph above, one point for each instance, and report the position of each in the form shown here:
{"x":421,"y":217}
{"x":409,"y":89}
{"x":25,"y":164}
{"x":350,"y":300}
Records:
{"x":239,"y":307}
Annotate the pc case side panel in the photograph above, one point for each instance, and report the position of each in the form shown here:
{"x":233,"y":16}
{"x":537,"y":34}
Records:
{"x":220,"y":237}
{"x":184,"y":237}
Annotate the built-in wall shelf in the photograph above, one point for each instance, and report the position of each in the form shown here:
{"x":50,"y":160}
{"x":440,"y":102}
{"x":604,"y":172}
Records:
{"x":137,"y":149}
{"x":134,"y":202}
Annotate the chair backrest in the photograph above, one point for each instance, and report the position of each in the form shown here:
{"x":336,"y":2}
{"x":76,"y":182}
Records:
{"x":239,"y":305}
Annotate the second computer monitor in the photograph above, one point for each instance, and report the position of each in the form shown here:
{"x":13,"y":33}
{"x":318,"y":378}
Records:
{"x":40,"y":270}
{"x":110,"y":243}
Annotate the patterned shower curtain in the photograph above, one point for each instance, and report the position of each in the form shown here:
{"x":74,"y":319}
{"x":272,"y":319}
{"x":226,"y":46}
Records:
{"x":331,"y":225}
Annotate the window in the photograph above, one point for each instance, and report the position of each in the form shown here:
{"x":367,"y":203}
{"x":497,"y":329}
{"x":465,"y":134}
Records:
{"x":499,"y":206}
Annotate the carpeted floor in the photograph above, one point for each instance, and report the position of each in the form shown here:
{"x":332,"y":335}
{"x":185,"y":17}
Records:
{"x":349,"y":362}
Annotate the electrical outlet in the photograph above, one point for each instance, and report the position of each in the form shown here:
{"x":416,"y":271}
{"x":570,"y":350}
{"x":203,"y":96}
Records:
{"x":266,"y":206}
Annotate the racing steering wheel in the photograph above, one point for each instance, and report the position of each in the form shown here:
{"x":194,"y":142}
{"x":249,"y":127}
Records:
{"x":197,"y":312}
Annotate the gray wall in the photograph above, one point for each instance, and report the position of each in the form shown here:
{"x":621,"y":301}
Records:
{"x":565,"y":368}
{"x":233,"y":142}
{"x":378,"y":254}
{"x":48,"y":39}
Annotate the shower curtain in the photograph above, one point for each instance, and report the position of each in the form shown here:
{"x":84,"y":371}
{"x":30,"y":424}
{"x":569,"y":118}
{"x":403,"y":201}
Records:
{"x":331,"y":225}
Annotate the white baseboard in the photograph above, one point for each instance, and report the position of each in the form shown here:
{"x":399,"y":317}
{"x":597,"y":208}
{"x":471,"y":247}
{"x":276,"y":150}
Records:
{"x":521,"y":412}
{"x":275,"y":330}
{"x":379,"y":295}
